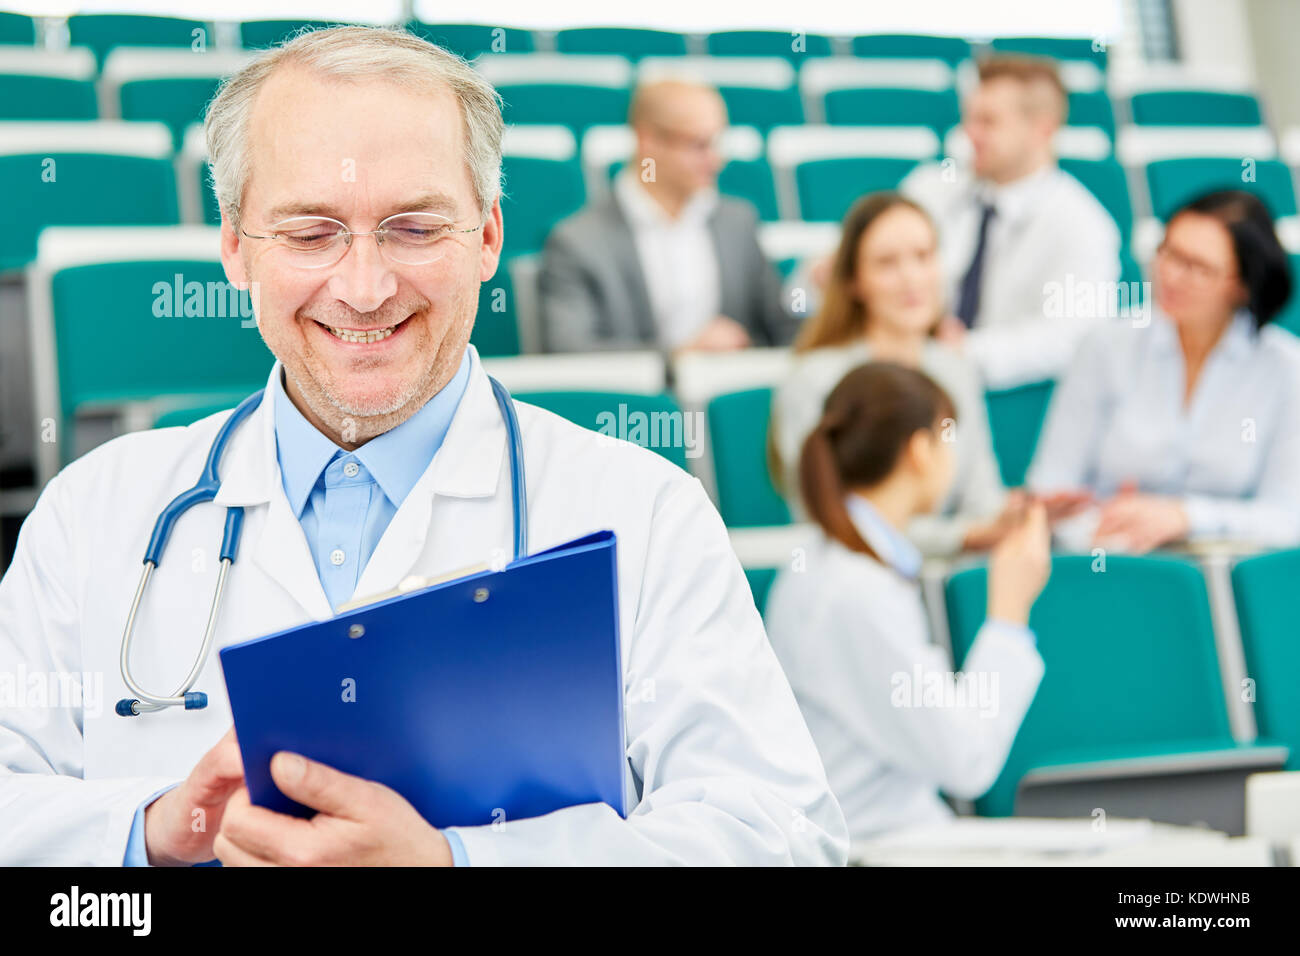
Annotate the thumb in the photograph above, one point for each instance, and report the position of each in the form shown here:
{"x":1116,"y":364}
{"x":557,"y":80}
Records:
{"x":318,"y":786}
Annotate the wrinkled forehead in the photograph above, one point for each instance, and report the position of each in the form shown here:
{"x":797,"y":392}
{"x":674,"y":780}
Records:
{"x":358,"y":150}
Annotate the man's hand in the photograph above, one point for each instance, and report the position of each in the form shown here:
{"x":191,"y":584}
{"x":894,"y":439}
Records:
{"x":179,"y":826}
{"x":1141,"y":523}
{"x":722,"y":334}
{"x":1065,"y":504}
{"x":359,"y":823}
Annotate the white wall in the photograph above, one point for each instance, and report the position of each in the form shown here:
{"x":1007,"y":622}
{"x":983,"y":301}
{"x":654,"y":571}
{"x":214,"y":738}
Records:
{"x":1275,"y":35}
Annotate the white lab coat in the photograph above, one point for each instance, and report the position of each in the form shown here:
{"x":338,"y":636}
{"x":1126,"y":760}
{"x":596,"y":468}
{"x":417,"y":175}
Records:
{"x":852,"y":636}
{"x":721,"y":767}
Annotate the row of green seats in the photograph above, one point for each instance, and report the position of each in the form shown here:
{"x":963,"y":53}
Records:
{"x":103,"y":32}
{"x":554,"y":188}
{"x":1131,"y":666}
{"x":1132,"y":676}
{"x":179,"y":101}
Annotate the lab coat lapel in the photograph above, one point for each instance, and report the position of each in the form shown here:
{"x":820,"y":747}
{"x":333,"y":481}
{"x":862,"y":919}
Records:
{"x":467,"y":465}
{"x":251,"y":478}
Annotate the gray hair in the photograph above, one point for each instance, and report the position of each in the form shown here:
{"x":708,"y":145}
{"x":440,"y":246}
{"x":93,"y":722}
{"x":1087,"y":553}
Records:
{"x":356,"y":53}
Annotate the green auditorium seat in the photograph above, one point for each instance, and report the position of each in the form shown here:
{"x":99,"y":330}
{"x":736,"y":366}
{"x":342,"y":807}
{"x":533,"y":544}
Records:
{"x":631,"y":43}
{"x":539,"y":192}
{"x":952,"y":50}
{"x":1264,"y":587}
{"x":575,"y":105}
{"x":748,"y":179}
{"x":25,"y":96}
{"x":1105,"y":179}
{"x":471,"y":39}
{"x":1289,"y":319}
{"x":1130,"y":666}
{"x":751,"y":180}
{"x":828,"y":187}
{"x":1091,"y":108}
{"x":738,"y":437}
{"x":1015,"y":420}
{"x":177,"y":101}
{"x":182,"y":412}
{"x":189,"y":336}
{"x":1130,"y":273}
{"x":1058,"y":48}
{"x":260,"y":34}
{"x":652,"y":421}
{"x":1173,"y":182}
{"x":762,"y":108}
{"x":496,"y":329}
{"x":17,"y":28}
{"x":1195,"y":108}
{"x":60,"y":187}
{"x":880,"y":106}
{"x":760,"y":583}
{"x":104,"y":31}
{"x":767,"y":43}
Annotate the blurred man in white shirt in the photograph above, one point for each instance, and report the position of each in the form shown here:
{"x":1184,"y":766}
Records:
{"x":1016,"y":230}
{"x":663,"y":260}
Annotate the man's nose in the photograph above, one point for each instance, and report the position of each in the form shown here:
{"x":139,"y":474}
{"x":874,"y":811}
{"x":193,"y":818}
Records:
{"x":363,"y":279}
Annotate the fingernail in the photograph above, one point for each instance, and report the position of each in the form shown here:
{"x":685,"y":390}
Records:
{"x":292,"y":766}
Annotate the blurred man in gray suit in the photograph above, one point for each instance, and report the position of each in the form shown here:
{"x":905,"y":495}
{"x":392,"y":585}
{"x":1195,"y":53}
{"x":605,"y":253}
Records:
{"x":662,"y":260}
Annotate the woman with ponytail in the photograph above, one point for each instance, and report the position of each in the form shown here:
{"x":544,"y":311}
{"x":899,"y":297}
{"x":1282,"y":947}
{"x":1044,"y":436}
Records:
{"x":893,"y":724}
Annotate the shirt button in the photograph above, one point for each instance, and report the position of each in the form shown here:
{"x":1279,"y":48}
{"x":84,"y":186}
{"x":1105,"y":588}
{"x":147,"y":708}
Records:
{"x":351,"y":469}
{"x":337,"y":557}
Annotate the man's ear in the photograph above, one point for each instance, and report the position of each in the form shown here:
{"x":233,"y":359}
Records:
{"x":231,"y":258}
{"x":493,"y":236}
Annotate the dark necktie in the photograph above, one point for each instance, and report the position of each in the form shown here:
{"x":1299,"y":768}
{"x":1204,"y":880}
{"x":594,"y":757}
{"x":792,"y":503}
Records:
{"x":968,"y":299}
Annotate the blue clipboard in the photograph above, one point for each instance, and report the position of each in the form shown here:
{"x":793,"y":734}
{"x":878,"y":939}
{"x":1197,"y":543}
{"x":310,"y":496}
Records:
{"x":493,"y":697}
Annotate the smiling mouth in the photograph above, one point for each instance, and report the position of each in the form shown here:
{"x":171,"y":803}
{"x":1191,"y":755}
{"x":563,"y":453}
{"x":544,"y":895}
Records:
{"x":361,"y":336}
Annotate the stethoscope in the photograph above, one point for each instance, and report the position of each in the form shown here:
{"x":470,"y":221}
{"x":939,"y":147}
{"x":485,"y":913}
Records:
{"x":206,"y":489}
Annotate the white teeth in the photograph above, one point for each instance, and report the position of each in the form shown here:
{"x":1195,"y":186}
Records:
{"x":373,"y":335}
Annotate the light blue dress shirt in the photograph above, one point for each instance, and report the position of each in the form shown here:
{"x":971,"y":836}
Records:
{"x":1231,"y":455}
{"x":344,"y":501}
{"x":897,"y":551}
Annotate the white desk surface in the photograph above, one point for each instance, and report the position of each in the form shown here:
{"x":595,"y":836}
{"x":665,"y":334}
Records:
{"x":1016,"y":841}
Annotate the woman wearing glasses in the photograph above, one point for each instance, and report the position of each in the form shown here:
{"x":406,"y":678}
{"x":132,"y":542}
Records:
{"x":1187,"y":427}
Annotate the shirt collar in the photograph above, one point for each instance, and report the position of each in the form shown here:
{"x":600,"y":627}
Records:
{"x":396,"y":459}
{"x":642,"y":209}
{"x":1015,"y":199}
{"x":890,"y":545}
{"x":1237,"y":340}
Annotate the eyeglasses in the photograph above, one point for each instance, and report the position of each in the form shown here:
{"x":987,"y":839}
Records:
{"x":1198,"y":270}
{"x":696,"y":144}
{"x":408,"y":238}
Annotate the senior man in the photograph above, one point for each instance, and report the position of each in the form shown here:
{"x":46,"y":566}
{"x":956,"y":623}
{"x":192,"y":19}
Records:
{"x":358,"y":173}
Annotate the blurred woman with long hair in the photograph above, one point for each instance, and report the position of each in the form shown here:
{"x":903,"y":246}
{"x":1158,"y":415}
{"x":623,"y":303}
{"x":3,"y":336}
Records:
{"x":883,"y":300}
